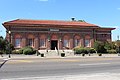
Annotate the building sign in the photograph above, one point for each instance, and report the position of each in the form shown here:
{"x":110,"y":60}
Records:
{"x":54,"y":29}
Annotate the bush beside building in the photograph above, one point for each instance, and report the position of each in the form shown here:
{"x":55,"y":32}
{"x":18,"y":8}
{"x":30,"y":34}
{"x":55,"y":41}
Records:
{"x":26,"y":50}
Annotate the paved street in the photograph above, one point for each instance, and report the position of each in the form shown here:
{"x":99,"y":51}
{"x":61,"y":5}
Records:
{"x":76,"y":68}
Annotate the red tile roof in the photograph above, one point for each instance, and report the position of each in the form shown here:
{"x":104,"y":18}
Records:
{"x":49,"y":22}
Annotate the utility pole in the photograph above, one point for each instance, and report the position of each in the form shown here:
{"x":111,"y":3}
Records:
{"x":118,"y":37}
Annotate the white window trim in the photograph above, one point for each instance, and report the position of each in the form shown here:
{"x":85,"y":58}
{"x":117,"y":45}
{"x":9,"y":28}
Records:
{"x":68,"y":44}
{"x":78,"y":43}
{"x":32,"y":42}
{"x":89,"y":44}
{"x":44,"y":43}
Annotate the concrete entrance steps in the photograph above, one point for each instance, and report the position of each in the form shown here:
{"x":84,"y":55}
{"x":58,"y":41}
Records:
{"x":69,"y":52}
{"x":52,"y":53}
{"x":57,"y":52}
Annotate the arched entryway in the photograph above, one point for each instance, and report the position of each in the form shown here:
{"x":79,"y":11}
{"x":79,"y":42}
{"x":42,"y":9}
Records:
{"x":54,"y":42}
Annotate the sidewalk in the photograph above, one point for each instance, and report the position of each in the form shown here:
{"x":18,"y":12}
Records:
{"x":15,"y":56}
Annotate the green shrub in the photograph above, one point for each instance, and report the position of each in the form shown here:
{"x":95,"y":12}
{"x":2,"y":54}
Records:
{"x":27,"y":51}
{"x":79,"y":50}
{"x":92,"y":50}
{"x":100,"y":47}
{"x":15,"y":52}
{"x":34,"y":51}
{"x":76,"y":50}
{"x":21,"y":51}
{"x":118,"y":49}
{"x":112,"y":51}
{"x":1,"y":52}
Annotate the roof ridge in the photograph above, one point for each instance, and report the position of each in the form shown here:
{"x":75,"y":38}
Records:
{"x":45,"y":20}
{"x":49,"y":20}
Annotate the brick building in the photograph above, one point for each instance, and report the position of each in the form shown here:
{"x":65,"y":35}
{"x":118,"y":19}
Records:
{"x":53,"y":34}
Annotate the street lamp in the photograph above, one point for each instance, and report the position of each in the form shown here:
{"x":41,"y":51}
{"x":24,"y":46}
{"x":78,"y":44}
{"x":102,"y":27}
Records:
{"x":9,"y":32}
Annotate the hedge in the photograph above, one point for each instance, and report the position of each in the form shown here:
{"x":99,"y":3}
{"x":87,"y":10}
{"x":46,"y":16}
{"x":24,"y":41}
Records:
{"x":79,"y":50}
{"x":112,"y":51}
{"x":15,"y":52}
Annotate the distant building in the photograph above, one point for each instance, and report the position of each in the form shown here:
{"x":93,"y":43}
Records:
{"x":53,"y":34}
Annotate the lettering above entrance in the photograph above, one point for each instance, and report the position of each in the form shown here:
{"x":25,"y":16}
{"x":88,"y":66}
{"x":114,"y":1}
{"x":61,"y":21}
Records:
{"x":54,"y":29}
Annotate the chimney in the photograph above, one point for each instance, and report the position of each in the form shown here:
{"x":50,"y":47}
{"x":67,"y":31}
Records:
{"x":73,"y":18}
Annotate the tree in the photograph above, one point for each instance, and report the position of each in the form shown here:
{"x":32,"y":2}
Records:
{"x":113,"y":45}
{"x":118,"y":42}
{"x":2,"y":45}
{"x":118,"y":46}
{"x":107,"y":45}
{"x":5,"y":46}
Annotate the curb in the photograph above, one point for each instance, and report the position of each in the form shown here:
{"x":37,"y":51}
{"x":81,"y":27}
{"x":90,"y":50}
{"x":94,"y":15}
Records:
{"x":57,"y":57}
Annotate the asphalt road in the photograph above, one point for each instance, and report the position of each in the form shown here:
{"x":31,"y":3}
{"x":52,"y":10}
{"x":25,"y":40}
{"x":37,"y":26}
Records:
{"x":43,"y":67}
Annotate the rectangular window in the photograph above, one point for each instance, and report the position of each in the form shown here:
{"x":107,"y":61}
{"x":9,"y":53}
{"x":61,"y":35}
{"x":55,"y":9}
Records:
{"x":31,"y":42}
{"x":87,"y":43}
{"x":66,"y":43}
{"x":42,"y":42}
{"x":17,"y":42}
{"x":77,"y":42}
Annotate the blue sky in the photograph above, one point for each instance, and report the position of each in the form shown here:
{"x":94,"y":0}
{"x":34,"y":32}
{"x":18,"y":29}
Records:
{"x":105,"y":13}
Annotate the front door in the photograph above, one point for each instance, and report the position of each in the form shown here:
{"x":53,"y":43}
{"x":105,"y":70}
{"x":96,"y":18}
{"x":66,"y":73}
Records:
{"x":54,"y":44}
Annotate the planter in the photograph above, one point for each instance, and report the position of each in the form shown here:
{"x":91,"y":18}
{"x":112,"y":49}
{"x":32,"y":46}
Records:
{"x":89,"y":54}
{"x":100,"y":54}
{"x":62,"y":54}
{"x":83,"y":54}
{"x":42,"y":55}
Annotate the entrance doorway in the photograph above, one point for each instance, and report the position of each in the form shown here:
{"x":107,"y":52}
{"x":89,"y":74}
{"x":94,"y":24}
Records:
{"x":54,"y":44}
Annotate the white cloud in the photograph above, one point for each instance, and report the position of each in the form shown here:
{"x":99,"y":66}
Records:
{"x":43,"y":0}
